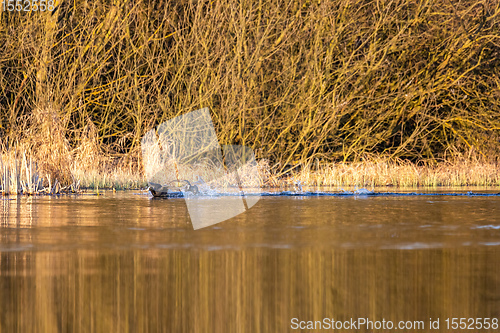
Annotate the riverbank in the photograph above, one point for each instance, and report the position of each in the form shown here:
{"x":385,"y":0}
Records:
{"x":20,"y":173}
{"x":360,"y":174}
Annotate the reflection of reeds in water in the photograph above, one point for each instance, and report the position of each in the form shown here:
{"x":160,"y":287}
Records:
{"x":248,"y":290}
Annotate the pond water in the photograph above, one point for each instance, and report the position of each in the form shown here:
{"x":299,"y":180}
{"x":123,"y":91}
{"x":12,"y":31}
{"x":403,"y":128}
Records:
{"x":124,"y":262}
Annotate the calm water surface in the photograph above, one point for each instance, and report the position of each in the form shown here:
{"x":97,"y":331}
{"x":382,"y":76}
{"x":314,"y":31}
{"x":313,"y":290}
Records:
{"x":126,"y":263}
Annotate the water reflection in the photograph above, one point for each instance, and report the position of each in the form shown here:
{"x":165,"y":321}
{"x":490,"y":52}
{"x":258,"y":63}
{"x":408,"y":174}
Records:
{"x":127,"y":263}
{"x":248,"y":291}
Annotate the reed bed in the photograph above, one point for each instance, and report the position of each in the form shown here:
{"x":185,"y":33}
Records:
{"x":21,"y":175}
{"x":117,"y":178}
{"x":301,"y":82}
{"x":368,"y":173}
{"x":400,"y":174}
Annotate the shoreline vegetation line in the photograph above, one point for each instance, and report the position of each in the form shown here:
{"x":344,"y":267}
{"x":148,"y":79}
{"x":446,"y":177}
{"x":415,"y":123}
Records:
{"x":21,"y":175}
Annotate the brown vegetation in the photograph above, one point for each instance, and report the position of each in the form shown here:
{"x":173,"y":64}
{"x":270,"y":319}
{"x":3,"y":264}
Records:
{"x":379,"y":172}
{"x":309,"y":82}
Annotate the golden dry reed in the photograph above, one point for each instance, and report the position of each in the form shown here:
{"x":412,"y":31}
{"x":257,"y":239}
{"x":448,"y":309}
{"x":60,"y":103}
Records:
{"x":306,"y":83}
{"x":373,"y":173}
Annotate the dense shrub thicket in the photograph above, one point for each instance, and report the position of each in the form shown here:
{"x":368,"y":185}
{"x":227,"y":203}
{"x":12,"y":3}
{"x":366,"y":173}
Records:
{"x":299,"y":81}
